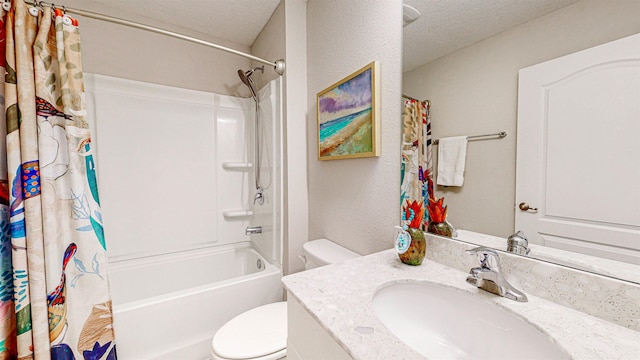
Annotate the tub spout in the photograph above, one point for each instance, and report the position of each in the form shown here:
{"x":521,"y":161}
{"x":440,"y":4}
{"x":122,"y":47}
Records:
{"x":250,"y":230}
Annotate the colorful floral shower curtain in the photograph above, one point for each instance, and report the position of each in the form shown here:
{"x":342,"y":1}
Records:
{"x":54,"y":293}
{"x":416,"y":180}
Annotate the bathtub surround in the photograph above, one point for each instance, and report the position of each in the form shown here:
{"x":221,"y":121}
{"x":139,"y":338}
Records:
{"x":211,"y":138}
{"x":341,"y":305}
{"x":55,"y":298}
{"x":284,"y":35}
{"x":191,"y":179}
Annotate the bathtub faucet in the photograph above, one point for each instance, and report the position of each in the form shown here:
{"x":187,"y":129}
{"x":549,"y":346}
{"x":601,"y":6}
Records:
{"x":259,"y":197}
{"x":250,"y":230}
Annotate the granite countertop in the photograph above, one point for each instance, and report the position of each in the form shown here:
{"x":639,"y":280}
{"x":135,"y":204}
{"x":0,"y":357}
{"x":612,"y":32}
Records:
{"x":340,"y":297}
{"x":603,"y":266}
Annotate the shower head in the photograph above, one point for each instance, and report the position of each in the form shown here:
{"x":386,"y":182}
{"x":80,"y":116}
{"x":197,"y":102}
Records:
{"x":245,"y":76}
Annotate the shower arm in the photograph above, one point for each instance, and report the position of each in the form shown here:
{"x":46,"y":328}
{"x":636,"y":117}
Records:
{"x":278,"y":65}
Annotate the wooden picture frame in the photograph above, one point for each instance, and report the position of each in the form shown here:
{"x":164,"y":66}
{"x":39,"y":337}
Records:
{"x":348,"y":116}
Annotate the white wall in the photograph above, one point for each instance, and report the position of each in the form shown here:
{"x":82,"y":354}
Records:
{"x":474,"y":91}
{"x":284,"y":36}
{"x":355,"y":202}
{"x":116,"y":50}
{"x":270,"y":45}
{"x":297,"y":192}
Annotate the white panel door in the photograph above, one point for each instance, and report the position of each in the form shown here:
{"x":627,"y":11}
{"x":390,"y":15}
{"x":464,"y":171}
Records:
{"x":578,"y":163}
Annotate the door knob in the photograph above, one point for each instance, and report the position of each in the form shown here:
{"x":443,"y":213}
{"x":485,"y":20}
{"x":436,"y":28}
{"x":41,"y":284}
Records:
{"x":525,"y":207}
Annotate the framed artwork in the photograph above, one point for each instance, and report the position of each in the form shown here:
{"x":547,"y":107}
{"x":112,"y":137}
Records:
{"x":348,"y":116}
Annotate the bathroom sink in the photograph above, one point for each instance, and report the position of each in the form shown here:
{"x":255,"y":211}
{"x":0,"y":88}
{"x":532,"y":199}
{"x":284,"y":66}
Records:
{"x":446,"y":323}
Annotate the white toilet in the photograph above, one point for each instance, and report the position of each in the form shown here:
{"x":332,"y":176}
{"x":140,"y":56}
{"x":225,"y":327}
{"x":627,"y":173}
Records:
{"x":261,"y":333}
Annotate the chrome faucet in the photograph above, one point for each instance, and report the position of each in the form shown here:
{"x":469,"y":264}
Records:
{"x":250,"y":230}
{"x":518,"y":244}
{"x":488,"y":276}
{"x":259,"y":197}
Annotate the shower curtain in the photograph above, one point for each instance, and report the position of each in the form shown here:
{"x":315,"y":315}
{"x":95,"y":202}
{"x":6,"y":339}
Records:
{"x":54,"y":294}
{"x":416,"y":180}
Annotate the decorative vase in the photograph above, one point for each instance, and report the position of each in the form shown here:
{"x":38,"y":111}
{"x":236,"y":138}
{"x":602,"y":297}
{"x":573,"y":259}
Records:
{"x":417,"y":249}
{"x":440,"y":228}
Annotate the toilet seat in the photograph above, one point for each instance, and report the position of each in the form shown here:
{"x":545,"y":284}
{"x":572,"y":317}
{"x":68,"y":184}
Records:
{"x":258,"y":334}
{"x":275,"y":356}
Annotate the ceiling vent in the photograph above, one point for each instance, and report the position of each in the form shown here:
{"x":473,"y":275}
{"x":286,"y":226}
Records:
{"x":409,"y":14}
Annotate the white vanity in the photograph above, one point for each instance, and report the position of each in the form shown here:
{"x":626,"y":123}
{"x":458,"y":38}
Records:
{"x":573,"y":314}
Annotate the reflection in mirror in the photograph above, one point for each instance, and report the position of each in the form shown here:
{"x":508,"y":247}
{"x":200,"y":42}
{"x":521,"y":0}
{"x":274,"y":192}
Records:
{"x":599,"y":265}
{"x":465,"y":59}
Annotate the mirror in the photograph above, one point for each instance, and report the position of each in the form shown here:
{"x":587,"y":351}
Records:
{"x":473,"y":90}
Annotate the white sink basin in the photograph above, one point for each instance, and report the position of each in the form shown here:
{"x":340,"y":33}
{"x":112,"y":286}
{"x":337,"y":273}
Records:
{"x":446,"y":323}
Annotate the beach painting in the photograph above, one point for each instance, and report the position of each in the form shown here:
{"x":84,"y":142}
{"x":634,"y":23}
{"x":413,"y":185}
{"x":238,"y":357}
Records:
{"x":348,"y":124}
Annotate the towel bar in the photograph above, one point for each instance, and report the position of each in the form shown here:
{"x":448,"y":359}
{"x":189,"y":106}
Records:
{"x":500,"y":134}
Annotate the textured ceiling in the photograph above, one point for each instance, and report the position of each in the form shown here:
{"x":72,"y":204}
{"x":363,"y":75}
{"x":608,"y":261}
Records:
{"x":239,"y":21}
{"x":443,"y":27}
{"x":448,"y":25}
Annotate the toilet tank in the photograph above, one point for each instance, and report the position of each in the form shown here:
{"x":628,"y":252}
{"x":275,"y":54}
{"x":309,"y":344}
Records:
{"x":322,"y":252}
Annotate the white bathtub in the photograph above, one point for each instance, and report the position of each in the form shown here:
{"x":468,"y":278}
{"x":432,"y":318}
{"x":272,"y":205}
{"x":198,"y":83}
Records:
{"x":170,"y":306}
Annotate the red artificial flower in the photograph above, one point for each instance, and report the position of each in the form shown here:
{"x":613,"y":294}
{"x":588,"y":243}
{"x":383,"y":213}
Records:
{"x":437,"y":212}
{"x":418,"y":213}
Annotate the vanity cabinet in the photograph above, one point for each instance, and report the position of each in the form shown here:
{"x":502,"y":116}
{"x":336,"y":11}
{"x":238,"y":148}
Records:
{"x":307,"y":339}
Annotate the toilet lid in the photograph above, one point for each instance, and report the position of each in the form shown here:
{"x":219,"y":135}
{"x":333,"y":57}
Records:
{"x":257,"y":332}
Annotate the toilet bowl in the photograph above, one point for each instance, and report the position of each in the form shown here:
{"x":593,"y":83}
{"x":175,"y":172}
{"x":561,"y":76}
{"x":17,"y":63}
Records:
{"x":261,"y":333}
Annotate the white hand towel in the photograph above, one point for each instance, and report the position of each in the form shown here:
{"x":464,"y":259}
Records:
{"x":452,"y":153}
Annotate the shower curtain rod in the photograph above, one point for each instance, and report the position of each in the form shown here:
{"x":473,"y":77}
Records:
{"x":278,"y":65}
{"x":410,"y":98}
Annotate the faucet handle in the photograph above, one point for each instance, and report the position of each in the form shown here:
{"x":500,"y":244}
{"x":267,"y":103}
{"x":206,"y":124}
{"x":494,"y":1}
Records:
{"x":482,"y":250}
{"x":484,"y":255}
{"x":259,"y":197}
